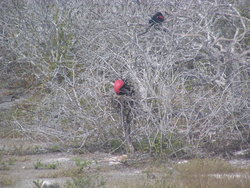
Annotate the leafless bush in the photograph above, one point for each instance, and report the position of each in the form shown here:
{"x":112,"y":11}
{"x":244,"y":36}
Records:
{"x":191,"y":76}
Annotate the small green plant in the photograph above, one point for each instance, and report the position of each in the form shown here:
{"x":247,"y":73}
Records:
{"x":11,"y":161}
{"x":81,"y":164}
{"x":54,"y":148}
{"x":40,"y":165}
{"x":116,"y":145}
{"x":4,"y":166}
{"x":89,"y":181}
{"x":38,"y":183}
{"x":75,"y":171}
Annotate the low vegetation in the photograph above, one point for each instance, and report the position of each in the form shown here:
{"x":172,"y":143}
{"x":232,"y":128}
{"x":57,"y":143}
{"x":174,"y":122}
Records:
{"x":87,"y":181}
{"x":209,"y":173}
{"x":6,"y":162}
{"x":6,"y":181}
{"x":41,"y":165}
{"x":190,"y":75}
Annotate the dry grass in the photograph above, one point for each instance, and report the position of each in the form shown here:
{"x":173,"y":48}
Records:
{"x":6,"y":181}
{"x":205,"y":166}
{"x":197,"y":173}
{"x":71,"y":172}
{"x":79,"y":169}
{"x":195,"y":182}
{"x":211,"y":173}
{"x":9,"y":132}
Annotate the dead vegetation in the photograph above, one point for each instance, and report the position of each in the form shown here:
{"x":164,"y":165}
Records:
{"x":191,"y":77}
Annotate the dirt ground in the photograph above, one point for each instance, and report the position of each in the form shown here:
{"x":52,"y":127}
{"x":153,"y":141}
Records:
{"x":20,"y":160}
{"x":20,"y":166}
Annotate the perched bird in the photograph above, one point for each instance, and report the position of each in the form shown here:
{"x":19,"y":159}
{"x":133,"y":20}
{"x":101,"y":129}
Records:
{"x":157,"y":18}
{"x":121,"y":88}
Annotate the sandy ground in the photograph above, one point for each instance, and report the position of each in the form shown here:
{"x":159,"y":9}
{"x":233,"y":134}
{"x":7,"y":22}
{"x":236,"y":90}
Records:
{"x":115,"y":169}
{"x":22,"y":154}
{"x":112,"y":167}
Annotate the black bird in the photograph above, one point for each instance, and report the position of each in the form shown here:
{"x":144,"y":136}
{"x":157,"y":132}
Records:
{"x":157,"y":18}
{"x":155,"y":21}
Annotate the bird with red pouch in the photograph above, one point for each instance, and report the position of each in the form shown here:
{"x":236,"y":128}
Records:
{"x":156,"y":21}
{"x":157,"y":18}
{"x":121,"y":88}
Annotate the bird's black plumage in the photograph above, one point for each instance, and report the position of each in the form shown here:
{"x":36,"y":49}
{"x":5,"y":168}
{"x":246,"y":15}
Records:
{"x":157,"y":18}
